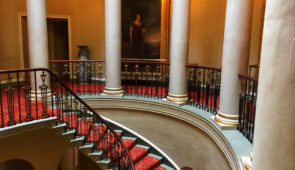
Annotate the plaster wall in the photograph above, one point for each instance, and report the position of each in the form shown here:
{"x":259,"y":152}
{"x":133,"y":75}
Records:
{"x":186,"y":144}
{"x":41,"y":147}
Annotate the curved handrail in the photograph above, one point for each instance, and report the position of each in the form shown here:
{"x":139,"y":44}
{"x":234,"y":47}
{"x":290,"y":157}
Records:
{"x":248,"y":77}
{"x":80,"y":100}
{"x":78,"y":61}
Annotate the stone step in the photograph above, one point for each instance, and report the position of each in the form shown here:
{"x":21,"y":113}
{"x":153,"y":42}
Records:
{"x":95,"y":155}
{"x":152,"y":159}
{"x":86,"y":148}
{"x":59,"y":128}
{"x":104,"y":164}
{"x":69,"y":134}
{"x":78,"y":140}
{"x":129,"y":142}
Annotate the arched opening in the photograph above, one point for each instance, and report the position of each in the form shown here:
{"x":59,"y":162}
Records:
{"x":14,"y":164}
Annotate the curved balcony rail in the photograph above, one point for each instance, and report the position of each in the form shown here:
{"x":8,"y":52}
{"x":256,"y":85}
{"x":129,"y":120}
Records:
{"x":151,"y":79}
{"x":32,"y":94}
{"x":247,"y":106}
{"x":141,"y":78}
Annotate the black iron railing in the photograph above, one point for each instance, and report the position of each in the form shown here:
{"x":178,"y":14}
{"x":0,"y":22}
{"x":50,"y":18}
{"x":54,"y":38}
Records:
{"x":82,"y":77}
{"x":247,"y":106}
{"x":33,"y":94}
{"x":143,"y":79}
{"x":203,"y":87}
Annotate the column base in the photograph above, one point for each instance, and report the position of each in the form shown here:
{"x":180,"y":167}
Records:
{"x":37,"y":95}
{"x":113,"y":92}
{"x":178,"y":100}
{"x":225,"y":121}
{"x":222,"y":126}
{"x":247,"y":162}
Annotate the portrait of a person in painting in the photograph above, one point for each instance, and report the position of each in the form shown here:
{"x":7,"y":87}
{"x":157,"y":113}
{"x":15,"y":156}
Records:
{"x":137,"y":30}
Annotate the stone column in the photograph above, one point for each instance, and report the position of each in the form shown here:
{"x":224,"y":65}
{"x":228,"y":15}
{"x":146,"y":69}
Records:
{"x":37,"y":37}
{"x":235,"y":58}
{"x":274,"y":136}
{"x":113,"y":47}
{"x":179,"y":51}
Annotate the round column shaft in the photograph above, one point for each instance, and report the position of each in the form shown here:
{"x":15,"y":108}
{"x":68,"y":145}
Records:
{"x":179,"y":51}
{"x":113,"y":47}
{"x":235,"y":58}
{"x":274,"y":136}
{"x":37,"y":37}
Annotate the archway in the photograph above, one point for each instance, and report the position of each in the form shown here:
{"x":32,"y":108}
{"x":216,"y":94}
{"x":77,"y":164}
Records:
{"x":16,"y":164}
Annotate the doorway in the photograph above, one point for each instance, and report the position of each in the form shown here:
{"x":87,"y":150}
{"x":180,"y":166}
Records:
{"x":58,"y":39}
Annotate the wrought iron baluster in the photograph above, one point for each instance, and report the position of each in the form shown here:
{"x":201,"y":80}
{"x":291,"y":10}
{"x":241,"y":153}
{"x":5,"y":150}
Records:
{"x":18,"y":97}
{"x":157,"y":79}
{"x":66,"y":72}
{"x":54,"y":70}
{"x":199,"y":87}
{"x":27,"y":95}
{"x":126,"y":74}
{"x":207,"y":91}
{"x":57,"y":102}
{"x":216,"y":92}
{"x":100,"y":73}
{"x":44,"y":88}
{"x":78,"y":75}
{"x":147,"y":80}
{"x":89,"y":74}
{"x":136,"y":74}
{"x":10,"y":101}
{"x":190,"y":85}
{"x":167,"y":81}
{"x":241,"y":106}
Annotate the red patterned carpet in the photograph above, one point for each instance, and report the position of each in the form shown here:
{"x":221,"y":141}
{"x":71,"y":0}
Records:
{"x":92,"y":89}
{"x":140,"y":154}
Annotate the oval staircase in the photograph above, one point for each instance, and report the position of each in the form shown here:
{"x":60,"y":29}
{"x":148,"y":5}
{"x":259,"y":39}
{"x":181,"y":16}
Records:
{"x":107,"y":144}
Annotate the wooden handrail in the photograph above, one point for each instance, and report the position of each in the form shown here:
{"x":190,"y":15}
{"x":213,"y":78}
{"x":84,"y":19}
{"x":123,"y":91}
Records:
{"x":139,"y":62}
{"x":248,"y":77}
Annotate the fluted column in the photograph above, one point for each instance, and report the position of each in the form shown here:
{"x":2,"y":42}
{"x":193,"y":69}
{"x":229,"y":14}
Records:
{"x":235,"y":58}
{"x":179,"y":51}
{"x":274,"y":136}
{"x":37,"y":37}
{"x":113,"y":47}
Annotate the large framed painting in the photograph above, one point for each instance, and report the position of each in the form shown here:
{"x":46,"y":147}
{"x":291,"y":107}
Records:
{"x":145,"y":29}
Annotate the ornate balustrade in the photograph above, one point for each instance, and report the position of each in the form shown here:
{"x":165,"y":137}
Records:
{"x":141,"y":78}
{"x":151,"y":79}
{"x":203,"y":87}
{"x":33,"y":94}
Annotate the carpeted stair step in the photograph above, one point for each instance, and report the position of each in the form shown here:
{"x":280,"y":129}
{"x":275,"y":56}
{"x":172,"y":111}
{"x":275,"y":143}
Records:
{"x":138,"y":152}
{"x":164,"y":167}
{"x":129,"y":142}
{"x":69,"y":134}
{"x":86,"y":148}
{"x":78,"y":140}
{"x":95,"y":155}
{"x":83,"y":125}
{"x":96,"y":132}
{"x":59,"y":128}
{"x":119,"y":132}
{"x":104,"y":164}
{"x":151,"y":161}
